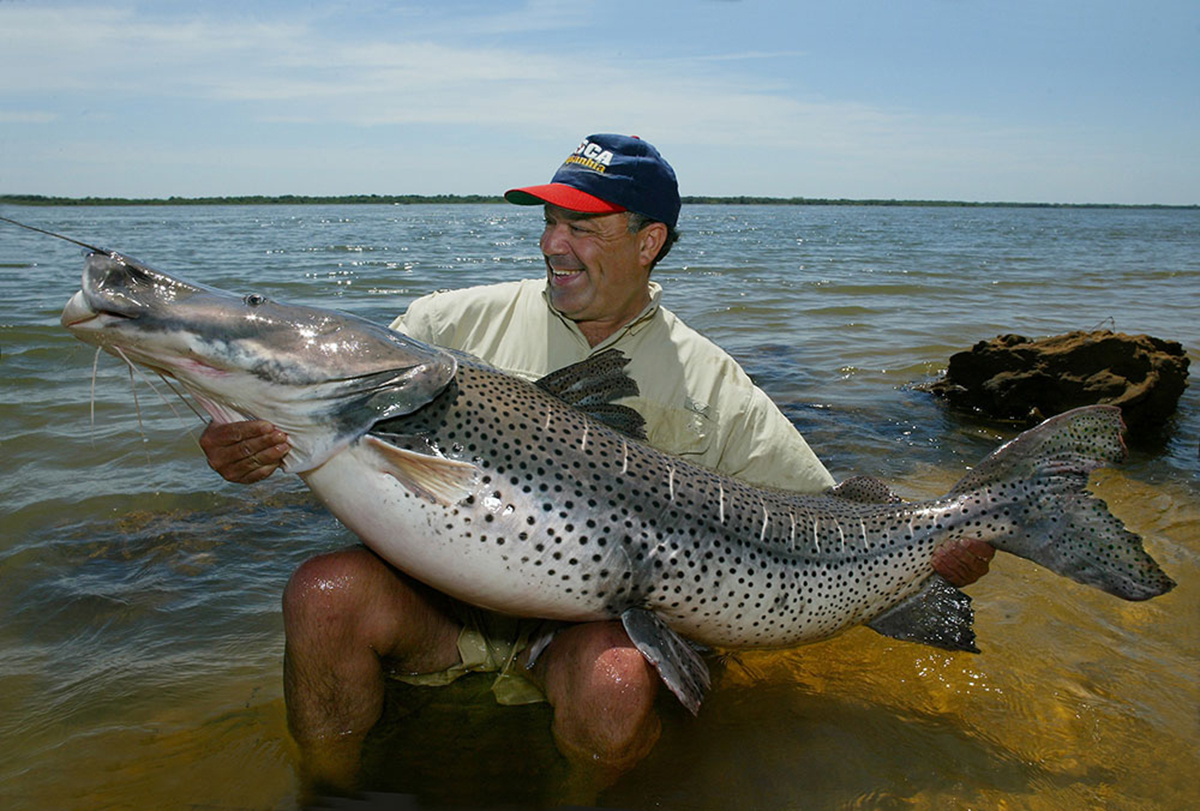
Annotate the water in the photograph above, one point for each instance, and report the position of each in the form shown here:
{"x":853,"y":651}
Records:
{"x":139,"y":594}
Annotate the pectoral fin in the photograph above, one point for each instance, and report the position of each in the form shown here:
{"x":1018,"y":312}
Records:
{"x":938,"y":615}
{"x":681,"y":668}
{"x":591,"y":386}
{"x":433,"y":478}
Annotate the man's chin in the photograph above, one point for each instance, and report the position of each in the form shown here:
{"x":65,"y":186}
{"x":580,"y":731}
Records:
{"x":564,"y":300}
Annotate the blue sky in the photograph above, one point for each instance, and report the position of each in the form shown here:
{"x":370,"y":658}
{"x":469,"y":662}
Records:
{"x":1013,"y":100}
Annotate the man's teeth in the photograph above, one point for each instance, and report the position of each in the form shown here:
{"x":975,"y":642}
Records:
{"x":569,"y":272}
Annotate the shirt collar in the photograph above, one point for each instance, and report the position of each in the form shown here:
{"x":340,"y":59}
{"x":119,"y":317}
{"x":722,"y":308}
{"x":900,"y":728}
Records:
{"x":635,"y":326}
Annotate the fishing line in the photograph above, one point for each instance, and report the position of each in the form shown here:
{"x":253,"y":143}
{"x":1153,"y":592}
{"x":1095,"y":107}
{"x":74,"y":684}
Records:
{"x":181,"y":396}
{"x":91,"y":248}
{"x":130,"y":364}
{"x":186,"y":402}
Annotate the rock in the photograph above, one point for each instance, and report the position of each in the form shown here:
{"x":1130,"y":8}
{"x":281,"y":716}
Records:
{"x":1014,"y":378}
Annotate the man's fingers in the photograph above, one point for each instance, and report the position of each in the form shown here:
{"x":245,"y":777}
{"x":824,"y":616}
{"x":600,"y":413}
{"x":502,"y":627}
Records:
{"x":257,"y":475}
{"x":262,"y":445}
{"x":258,"y":453}
{"x":222,"y":434}
{"x":981,"y":550}
{"x":244,"y":452}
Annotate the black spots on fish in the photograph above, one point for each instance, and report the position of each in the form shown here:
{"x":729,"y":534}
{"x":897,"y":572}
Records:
{"x":609,"y":523}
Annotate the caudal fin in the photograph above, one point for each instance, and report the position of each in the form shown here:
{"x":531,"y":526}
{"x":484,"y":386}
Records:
{"x":1033,"y":491}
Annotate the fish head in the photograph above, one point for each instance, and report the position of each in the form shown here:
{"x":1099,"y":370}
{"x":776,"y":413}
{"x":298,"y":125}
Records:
{"x":323,"y":376}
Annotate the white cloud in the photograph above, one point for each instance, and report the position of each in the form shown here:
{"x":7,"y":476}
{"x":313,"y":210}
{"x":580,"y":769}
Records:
{"x":300,"y":73}
{"x":289,"y":71}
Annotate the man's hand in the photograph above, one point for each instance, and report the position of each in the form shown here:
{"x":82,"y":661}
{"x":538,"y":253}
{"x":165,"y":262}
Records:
{"x":244,"y":452}
{"x":963,"y":562}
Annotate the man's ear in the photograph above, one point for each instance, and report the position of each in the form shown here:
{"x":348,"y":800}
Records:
{"x":650,"y":242}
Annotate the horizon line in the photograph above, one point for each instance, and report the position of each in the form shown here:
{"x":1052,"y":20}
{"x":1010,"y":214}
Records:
{"x":417,"y":199}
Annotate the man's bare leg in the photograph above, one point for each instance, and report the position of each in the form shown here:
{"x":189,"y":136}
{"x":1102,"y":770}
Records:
{"x":602,"y":691}
{"x":344,"y":613}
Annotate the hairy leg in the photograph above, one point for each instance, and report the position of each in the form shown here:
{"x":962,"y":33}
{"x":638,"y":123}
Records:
{"x":344,"y":614}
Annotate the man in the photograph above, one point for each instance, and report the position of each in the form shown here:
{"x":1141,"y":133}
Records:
{"x":352,"y":620}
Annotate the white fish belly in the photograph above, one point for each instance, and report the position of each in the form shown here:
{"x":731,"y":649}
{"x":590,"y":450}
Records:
{"x":427,"y":540}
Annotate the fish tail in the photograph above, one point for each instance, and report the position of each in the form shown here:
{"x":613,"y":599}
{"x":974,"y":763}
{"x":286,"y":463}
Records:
{"x":1034,"y":504}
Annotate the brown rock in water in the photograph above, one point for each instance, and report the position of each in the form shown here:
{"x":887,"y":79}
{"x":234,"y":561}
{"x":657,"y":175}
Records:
{"x":1015,"y":378}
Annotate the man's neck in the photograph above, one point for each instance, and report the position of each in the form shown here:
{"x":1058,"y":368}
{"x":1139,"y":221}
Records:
{"x":596,"y":332}
{"x":599,"y":331}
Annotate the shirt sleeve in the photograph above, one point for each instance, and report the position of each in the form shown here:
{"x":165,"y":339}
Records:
{"x":415,"y":322}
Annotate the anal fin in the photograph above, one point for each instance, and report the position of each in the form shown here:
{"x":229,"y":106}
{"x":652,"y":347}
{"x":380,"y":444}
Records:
{"x":938,"y":615}
{"x":680,"y":666}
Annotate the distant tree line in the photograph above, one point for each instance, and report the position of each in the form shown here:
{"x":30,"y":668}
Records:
{"x":827,"y":201}
{"x":249,"y":200}
{"x":413,"y":199}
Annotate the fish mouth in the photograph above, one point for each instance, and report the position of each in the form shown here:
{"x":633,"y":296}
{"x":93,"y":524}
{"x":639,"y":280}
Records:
{"x":79,"y":311}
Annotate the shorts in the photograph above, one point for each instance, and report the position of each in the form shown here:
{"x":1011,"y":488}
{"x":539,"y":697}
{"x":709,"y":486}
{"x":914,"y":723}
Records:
{"x":490,"y":643}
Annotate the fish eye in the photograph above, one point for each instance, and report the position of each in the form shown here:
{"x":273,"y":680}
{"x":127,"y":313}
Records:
{"x":254,"y":299}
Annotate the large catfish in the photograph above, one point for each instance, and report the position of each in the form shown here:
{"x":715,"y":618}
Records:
{"x":526,"y":499}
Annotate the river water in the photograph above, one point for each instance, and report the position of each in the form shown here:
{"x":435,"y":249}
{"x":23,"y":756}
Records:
{"x":139,"y":593}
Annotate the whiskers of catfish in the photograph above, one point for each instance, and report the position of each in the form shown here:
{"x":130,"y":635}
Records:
{"x":137,"y":403}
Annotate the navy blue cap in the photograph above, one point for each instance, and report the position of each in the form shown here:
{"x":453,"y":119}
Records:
{"x":609,"y":173}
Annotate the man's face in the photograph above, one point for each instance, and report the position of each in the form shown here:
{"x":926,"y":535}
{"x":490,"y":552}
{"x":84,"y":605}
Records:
{"x":596,"y":269}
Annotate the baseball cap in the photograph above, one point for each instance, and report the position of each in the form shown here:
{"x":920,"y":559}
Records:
{"x":609,"y":173}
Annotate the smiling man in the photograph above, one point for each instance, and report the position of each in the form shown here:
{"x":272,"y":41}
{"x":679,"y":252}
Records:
{"x":352,"y":621}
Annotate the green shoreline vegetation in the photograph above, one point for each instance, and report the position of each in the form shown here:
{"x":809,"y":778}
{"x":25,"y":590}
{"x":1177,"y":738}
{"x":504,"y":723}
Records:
{"x":441,"y":199}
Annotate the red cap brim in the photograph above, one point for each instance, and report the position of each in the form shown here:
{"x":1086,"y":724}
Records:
{"x":563,"y":196}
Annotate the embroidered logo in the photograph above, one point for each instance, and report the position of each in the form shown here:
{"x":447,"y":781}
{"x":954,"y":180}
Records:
{"x":590,"y":156}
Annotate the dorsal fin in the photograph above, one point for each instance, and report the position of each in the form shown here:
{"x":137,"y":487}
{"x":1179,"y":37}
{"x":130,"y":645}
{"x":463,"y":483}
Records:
{"x":592,"y":384}
{"x":865,"y":490}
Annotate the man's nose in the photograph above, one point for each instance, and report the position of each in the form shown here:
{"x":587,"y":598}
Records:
{"x":553,"y":242}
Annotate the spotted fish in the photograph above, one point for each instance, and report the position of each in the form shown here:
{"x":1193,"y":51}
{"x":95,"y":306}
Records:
{"x":543,"y":500}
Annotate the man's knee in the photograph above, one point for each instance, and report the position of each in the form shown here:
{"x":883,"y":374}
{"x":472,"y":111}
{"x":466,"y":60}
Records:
{"x":329,"y":591}
{"x":603,"y":693}
{"x":620,"y":671}
{"x":352,"y":600}
{"x":596,"y":666}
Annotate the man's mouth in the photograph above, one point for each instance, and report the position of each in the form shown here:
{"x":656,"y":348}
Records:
{"x":564,"y":273}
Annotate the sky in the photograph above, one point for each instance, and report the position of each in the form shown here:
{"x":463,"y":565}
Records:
{"x":1055,"y":101}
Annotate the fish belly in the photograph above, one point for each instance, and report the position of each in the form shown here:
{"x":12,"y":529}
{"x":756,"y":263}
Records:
{"x":454,"y":548}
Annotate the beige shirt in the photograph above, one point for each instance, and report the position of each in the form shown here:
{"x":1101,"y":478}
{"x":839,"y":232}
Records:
{"x":697,"y":401}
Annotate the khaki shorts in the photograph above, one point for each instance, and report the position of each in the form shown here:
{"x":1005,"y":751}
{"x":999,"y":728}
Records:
{"x":491,"y":643}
